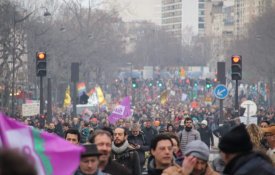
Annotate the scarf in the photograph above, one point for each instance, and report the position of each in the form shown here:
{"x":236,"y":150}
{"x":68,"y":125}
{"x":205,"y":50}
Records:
{"x":120,"y":149}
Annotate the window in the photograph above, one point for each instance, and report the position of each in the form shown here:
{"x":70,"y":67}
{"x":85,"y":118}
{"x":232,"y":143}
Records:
{"x":201,"y":26}
{"x":201,"y":6}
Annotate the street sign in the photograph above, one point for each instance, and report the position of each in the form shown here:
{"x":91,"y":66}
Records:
{"x":250,"y":108}
{"x":220,"y":91}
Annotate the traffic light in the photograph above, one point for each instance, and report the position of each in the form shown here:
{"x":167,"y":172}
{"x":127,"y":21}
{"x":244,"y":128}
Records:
{"x":208,"y":83}
{"x":160,"y":84}
{"x":134,"y":83}
{"x":236,"y":67}
{"x":150,"y":84}
{"x":41,"y":64}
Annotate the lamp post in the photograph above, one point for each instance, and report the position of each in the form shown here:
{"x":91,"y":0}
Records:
{"x":15,"y":21}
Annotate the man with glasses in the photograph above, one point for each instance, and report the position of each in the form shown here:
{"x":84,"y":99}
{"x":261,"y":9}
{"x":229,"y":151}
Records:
{"x":189,"y":134}
{"x":269,"y":134}
{"x":136,"y":139}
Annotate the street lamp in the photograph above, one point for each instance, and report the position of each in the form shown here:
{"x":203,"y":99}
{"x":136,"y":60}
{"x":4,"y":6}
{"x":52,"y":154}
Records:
{"x":15,"y":21}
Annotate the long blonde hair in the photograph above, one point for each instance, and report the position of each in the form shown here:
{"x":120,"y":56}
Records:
{"x":256,"y":135}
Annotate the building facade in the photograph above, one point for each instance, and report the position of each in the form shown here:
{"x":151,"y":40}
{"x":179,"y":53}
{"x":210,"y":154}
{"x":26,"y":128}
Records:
{"x":183,"y":18}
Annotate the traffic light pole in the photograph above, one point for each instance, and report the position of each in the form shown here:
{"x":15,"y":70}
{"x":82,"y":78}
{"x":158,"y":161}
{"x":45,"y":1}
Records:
{"x":236,"y":112}
{"x":74,"y":98}
{"x":41,"y":96}
{"x":49,"y":100}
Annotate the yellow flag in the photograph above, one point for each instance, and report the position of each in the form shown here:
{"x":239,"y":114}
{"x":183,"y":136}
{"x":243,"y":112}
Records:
{"x":164,"y":97}
{"x":67,"y":99}
{"x":100,"y":96}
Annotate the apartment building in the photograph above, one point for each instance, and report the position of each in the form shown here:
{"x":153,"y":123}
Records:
{"x":183,"y":18}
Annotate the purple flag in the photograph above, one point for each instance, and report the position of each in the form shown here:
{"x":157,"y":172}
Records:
{"x":50,"y":154}
{"x":122,"y":110}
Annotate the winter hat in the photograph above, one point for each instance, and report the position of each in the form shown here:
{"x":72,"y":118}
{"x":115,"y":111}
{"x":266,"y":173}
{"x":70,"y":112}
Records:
{"x":204,"y":122}
{"x":237,"y":140}
{"x":197,"y":148}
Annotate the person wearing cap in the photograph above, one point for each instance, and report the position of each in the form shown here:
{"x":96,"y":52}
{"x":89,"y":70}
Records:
{"x":236,"y":150}
{"x":89,"y":161}
{"x":195,"y":161}
{"x":199,"y":152}
{"x":206,"y":134}
{"x":269,"y":134}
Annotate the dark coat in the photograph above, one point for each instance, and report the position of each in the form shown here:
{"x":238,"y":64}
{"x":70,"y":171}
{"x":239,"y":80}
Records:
{"x":206,"y":136}
{"x":130,"y":159}
{"x":249,"y":164}
{"x":149,"y":134}
{"x":139,"y":140}
{"x":114,"y":168}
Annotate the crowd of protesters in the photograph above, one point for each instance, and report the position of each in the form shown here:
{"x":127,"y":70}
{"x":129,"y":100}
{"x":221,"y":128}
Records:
{"x":169,"y":139}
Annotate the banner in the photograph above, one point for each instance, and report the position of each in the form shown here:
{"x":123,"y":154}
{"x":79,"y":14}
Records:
{"x":67,"y":98}
{"x":50,"y":154}
{"x":164,"y":97}
{"x":123,"y":110}
{"x":81,"y":87}
{"x":30,"y":109}
{"x":100,"y":96}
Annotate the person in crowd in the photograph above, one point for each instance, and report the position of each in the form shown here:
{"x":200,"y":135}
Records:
{"x":51,"y":128}
{"x":269,"y":134}
{"x":73,"y":136}
{"x":195,"y":161}
{"x":89,"y":161}
{"x":222,"y":129}
{"x":94,"y":123}
{"x":14,"y":163}
{"x":136,"y":139}
{"x":236,"y":150}
{"x":176,"y":148}
{"x":76,"y":123}
{"x":66,"y":127}
{"x":161,"y":149}
{"x":200,"y":151}
{"x":85,"y":133}
{"x":124,"y":153}
{"x":103,"y":141}
{"x":127,"y":126}
{"x":264,"y":124}
{"x":256,"y":137}
{"x":170,"y":128}
{"x":206,"y":134}
{"x":188,"y":134}
{"x":148,"y":131}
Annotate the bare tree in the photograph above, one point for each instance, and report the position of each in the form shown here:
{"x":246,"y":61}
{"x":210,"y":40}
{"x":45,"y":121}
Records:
{"x":257,"y":49}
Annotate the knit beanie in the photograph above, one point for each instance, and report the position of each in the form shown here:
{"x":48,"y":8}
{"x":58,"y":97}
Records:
{"x":204,"y":122}
{"x":237,"y":140}
{"x":197,"y":148}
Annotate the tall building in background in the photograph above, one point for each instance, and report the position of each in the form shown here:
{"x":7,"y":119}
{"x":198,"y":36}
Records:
{"x":245,"y":11}
{"x":136,"y":10}
{"x":183,"y":18}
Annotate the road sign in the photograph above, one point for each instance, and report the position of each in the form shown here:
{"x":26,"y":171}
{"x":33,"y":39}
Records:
{"x":220,"y":91}
{"x":250,"y":108}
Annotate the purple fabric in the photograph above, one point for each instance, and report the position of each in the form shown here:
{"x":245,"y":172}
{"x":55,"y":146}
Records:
{"x":123,"y":110}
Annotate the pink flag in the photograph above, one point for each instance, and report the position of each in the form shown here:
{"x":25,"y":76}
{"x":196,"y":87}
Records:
{"x":122,"y":110}
{"x":50,"y":154}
